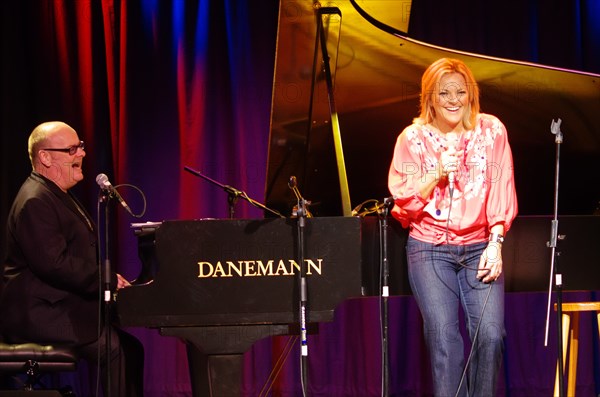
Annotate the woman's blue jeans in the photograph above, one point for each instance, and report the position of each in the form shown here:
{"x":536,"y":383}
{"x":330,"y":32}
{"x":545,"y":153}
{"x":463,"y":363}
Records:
{"x":441,"y":278}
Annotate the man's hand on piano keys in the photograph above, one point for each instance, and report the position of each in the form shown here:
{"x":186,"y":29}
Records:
{"x":122,"y":282}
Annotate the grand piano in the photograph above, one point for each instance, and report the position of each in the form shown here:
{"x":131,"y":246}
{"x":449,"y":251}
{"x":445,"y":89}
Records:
{"x":346,"y":82}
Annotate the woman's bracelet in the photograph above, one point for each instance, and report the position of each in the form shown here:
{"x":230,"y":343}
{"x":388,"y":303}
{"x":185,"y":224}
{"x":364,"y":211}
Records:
{"x":496,"y":238}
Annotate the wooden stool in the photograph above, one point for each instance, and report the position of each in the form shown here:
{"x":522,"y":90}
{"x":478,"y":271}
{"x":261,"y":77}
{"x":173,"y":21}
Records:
{"x":570,"y":336}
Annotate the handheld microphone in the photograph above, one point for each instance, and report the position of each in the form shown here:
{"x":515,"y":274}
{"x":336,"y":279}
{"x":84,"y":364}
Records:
{"x":104,"y":183}
{"x":452,"y":140}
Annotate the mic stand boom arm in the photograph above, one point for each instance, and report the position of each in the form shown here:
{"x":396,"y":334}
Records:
{"x":233,"y":194}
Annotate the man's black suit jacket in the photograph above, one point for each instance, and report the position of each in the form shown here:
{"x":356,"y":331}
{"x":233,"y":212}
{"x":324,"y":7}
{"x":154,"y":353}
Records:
{"x":51,"y":274}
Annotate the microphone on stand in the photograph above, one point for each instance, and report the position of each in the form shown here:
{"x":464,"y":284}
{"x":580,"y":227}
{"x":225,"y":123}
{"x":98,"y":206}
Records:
{"x":293,"y":185}
{"x":388,"y":202}
{"x":387,"y":205}
{"x":104,"y":183}
{"x":452,"y":140}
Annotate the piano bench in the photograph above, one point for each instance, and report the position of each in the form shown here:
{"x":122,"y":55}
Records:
{"x":34,"y":361}
{"x":570,"y":340}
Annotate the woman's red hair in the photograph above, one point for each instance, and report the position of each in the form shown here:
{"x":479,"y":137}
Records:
{"x":430,"y":87}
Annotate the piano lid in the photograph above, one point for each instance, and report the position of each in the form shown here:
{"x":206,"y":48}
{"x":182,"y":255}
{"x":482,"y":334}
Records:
{"x":376,"y":71}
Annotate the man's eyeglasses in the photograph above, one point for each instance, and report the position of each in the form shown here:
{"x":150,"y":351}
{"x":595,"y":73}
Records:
{"x":71,"y":149}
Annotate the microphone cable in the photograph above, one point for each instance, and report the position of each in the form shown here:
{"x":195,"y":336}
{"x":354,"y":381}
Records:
{"x":474,"y":341}
{"x":142,"y":195}
{"x":455,"y":257}
{"x":464,"y":266}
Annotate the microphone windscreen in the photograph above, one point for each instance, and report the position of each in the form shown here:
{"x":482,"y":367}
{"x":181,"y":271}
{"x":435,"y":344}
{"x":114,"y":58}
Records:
{"x":452,"y":139}
{"x":102,"y":180}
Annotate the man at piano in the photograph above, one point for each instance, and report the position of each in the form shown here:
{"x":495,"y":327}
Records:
{"x":51,"y":270}
{"x":453,"y":184}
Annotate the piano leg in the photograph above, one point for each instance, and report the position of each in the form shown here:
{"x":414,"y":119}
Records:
{"x":215,"y":375}
{"x":215,"y":354}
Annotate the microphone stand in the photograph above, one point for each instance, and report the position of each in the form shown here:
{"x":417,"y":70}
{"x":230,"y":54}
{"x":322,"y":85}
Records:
{"x":388,"y":204}
{"x":106,"y":275}
{"x":302,"y":213}
{"x":554,"y":272}
{"x":233,"y":194}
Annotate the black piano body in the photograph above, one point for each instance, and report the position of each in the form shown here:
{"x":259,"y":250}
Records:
{"x":239,"y":266}
{"x":221,"y":285}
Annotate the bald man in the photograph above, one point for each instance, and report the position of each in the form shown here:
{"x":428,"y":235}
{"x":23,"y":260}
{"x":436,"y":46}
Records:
{"x":51,"y":271}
